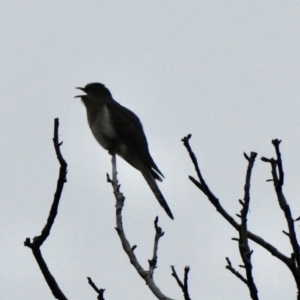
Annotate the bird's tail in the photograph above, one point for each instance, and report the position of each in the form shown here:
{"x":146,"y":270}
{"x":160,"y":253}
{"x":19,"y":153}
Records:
{"x":159,"y":196}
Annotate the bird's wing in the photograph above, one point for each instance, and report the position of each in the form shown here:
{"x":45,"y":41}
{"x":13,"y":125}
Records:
{"x":129,"y":128}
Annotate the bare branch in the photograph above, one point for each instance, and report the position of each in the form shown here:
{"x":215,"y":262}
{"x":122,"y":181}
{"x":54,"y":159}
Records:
{"x":201,"y":184}
{"x":186,"y":143}
{"x":158,"y":234}
{"x":235,"y":272}
{"x":278,"y":181}
{"x":183,"y":285}
{"x":276,"y":144}
{"x":120,"y":199}
{"x":243,"y":240}
{"x":39,"y":240}
{"x":243,"y":234}
{"x":100,"y":292}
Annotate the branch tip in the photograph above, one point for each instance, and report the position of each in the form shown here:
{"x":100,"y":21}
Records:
{"x":186,"y":138}
{"x":242,"y":202}
{"x":276,"y":142}
{"x":246,"y":156}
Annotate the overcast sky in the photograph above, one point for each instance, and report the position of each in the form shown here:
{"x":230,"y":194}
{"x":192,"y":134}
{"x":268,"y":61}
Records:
{"x":226,"y":71}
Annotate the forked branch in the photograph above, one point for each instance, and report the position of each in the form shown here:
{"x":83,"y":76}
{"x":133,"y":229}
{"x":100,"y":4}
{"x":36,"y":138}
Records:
{"x":39,"y":240}
{"x":291,"y":262}
{"x":243,"y":232}
{"x":278,"y":181}
{"x":183,"y":285}
{"x":100,"y":292}
{"x":147,"y":275}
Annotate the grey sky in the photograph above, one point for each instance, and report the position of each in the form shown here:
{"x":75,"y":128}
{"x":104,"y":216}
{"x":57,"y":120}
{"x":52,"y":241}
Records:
{"x":226,"y":71}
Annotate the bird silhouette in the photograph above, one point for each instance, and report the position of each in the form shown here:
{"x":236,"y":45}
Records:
{"x":118,"y":130}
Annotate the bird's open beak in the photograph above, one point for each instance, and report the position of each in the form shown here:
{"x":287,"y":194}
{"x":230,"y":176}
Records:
{"x":80,"y":96}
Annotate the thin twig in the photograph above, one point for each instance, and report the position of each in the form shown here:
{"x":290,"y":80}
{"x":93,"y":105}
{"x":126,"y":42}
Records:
{"x":278,"y":181}
{"x":39,"y":240}
{"x":243,"y":232}
{"x":120,"y":199}
{"x":235,"y":272}
{"x":201,"y":184}
{"x":183,"y":285}
{"x":100,"y":292}
{"x":158,"y":234}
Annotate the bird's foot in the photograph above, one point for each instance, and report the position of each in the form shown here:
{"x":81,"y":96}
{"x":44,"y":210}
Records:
{"x":112,"y":151}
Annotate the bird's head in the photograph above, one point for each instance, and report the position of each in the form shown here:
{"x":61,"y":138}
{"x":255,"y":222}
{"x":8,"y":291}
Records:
{"x":94,"y":90}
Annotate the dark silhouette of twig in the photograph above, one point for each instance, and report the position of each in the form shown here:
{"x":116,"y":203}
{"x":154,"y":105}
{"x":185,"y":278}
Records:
{"x":235,"y":272}
{"x":243,"y":232}
{"x":100,"y":292}
{"x":183,"y":285}
{"x":158,"y":234}
{"x":292,"y":262}
{"x":39,"y":240}
{"x":201,"y":184}
{"x":129,"y":250}
{"x":278,"y":181}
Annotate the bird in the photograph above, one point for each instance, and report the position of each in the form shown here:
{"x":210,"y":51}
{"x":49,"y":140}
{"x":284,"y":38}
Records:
{"x":120,"y":131}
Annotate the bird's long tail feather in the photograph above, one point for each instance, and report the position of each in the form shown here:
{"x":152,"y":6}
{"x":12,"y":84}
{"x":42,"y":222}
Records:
{"x":153,"y":186}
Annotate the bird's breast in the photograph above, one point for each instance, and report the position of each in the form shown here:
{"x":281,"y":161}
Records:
{"x":103,"y":129}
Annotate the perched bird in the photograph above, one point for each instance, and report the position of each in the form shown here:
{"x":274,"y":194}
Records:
{"x":118,"y":130}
